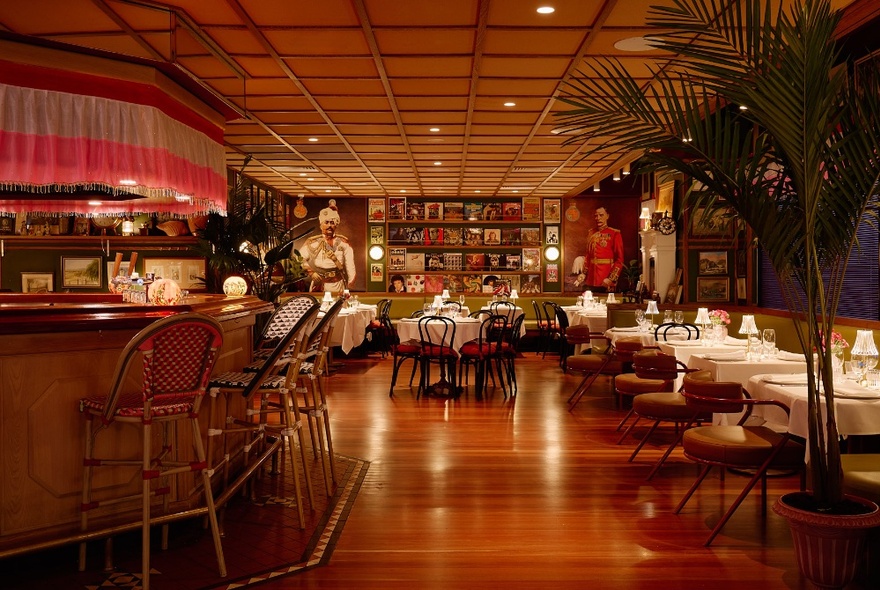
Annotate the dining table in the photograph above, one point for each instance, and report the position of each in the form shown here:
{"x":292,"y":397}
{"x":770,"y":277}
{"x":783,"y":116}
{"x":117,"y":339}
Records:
{"x":595,"y":317}
{"x":856,"y":407}
{"x":466,"y":329}
{"x":350,"y":328}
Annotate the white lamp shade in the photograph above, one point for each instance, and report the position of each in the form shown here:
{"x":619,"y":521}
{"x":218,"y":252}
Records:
{"x":588,"y":295}
{"x":864,"y":343}
{"x":748,"y":325}
{"x":438,"y":301}
{"x":235,"y":286}
{"x":514,"y":294}
{"x":445,"y":294}
{"x":652,"y":308}
{"x":327,"y":296}
{"x":611,"y":299}
{"x":702,"y":316}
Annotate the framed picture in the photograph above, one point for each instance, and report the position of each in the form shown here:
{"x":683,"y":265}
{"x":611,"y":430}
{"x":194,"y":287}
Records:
{"x":713,"y":263}
{"x":81,"y":272}
{"x":713,"y":289}
{"x":186,"y":272}
{"x":37,"y":282}
{"x":376,"y":210}
{"x":377,"y":234}
{"x":377,"y":273}
{"x":714,"y":224}
{"x":551,"y":235}
{"x":552,"y":210}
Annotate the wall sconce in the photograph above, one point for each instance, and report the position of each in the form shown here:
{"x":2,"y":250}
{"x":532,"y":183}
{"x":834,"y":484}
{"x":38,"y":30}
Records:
{"x":551,"y":253}
{"x":376,"y":252}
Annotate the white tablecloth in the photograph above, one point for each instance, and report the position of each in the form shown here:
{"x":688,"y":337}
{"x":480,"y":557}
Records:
{"x":742,"y":371}
{"x":518,"y":311}
{"x":351,"y":325}
{"x":854,"y":416}
{"x":466,"y":329}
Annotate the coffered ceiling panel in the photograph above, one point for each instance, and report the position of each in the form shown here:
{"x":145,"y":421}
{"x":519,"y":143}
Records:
{"x":386,"y":87}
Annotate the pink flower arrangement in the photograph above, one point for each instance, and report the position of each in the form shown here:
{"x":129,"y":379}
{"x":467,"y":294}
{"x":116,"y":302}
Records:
{"x":719,"y":316}
{"x":838,"y":343}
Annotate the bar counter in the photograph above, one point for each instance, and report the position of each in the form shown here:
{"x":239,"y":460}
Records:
{"x":54,"y":350}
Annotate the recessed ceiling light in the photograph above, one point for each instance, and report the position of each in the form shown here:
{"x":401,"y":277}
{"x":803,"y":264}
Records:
{"x":302,"y":173}
{"x":95,"y":203}
{"x":516,"y":191}
{"x":476,"y":191}
{"x":510,"y":104}
{"x":546,"y":10}
{"x":327,"y":190}
{"x":403,"y":190}
{"x":438,"y":163}
{"x":743,"y":107}
{"x":310,"y":179}
{"x":313,"y":139}
{"x":635,"y":44}
{"x":434,"y":129}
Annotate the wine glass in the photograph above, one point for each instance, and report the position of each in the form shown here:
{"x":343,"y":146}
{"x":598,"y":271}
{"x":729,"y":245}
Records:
{"x":679,"y":317}
{"x":667,"y":316}
{"x":461,"y":299}
{"x":768,"y":339}
{"x":640,"y":316}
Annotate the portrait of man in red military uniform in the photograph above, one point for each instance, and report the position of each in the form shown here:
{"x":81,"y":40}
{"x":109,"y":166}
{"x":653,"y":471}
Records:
{"x":600,"y":235}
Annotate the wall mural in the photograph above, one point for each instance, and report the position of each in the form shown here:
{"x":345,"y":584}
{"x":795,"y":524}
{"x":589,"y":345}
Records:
{"x":601,"y":236}
{"x":342,"y":228}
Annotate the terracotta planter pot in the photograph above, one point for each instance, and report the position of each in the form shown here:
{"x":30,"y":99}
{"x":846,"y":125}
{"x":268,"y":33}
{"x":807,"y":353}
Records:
{"x":829,"y":548}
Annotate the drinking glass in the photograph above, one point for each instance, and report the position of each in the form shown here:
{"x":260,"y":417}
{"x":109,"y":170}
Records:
{"x":679,"y":317}
{"x":768,"y":338}
{"x":640,"y":316}
{"x":667,"y":316}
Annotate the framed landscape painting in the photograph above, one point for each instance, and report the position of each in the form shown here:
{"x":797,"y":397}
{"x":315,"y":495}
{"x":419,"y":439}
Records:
{"x":37,"y":282}
{"x":713,"y":289}
{"x":81,"y":272}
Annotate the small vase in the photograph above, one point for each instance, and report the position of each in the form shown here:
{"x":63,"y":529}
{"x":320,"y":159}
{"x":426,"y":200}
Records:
{"x":837,"y":363}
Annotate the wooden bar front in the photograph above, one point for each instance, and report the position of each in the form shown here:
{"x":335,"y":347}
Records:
{"x":54,"y":350}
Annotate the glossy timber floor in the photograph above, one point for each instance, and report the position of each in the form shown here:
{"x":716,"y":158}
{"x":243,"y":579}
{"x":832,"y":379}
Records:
{"x":520,"y":493}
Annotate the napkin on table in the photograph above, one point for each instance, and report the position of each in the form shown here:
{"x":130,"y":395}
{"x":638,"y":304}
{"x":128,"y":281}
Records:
{"x":784,"y":355}
{"x":793,"y":379}
{"x":739,"y":355}
{"x":731,"y":341}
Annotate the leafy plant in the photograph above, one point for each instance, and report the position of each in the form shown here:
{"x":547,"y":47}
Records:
{"x":253,"y":243}
{"x":799,"y":165}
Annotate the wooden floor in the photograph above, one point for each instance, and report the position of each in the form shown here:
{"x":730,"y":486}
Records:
{"x":521,"y":493}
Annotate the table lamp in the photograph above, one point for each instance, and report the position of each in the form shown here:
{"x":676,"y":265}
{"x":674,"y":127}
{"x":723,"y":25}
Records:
{"x":514,"y":295}
{"x":702,"y":319}
{"x":748,"y":328}
{"x":438,"y":304}
{"x":611,"y":299}
{"x":652,"y":310}
{"x":863,"y":355}
{"x":445,"y":295}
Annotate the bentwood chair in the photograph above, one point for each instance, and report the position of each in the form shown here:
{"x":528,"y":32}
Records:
{"x":510,"y":350}
{"x":175,"y":356}
{"x":437,"y":339}
{"x":403,"y":351}
{"x":380,"y":330}
{"x":750,"y":448}
{"x":482,"y":352}
{"x":255,"y":387}
{"x":549,"y":308}
{"x":543,"y":327}
{"x":672,"y":331}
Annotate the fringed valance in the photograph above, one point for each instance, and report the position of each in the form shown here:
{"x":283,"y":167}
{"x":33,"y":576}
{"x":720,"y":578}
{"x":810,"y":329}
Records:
{"x":54,"y":142}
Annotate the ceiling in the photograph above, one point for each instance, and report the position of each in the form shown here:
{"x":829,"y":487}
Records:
{"x":359,"y":98}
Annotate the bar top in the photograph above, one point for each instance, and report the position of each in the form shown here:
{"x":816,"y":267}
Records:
{"x":25,"y":313}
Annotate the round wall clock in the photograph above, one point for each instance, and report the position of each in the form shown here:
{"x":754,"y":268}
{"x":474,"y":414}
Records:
{"x":572,"y":213}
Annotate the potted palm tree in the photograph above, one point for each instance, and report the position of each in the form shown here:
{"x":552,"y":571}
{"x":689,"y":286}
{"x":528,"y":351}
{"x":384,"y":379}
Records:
{"x":252,"y":242}
{"x":761,"y":112}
